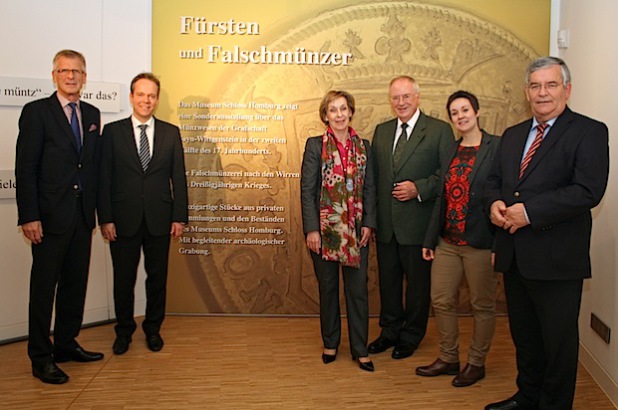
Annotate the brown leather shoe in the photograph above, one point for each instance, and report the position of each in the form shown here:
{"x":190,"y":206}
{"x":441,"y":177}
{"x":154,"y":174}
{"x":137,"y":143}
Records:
{"x":437,"y":368}
{"x":469,"y":375}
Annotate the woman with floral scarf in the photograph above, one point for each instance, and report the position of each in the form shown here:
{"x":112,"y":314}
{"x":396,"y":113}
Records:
{"x":339,"y":214}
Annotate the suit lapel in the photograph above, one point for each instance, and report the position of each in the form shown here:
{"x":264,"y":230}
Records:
{"x":518,"y":147}
{"x":128,"y":136}
{"x":58,"y":113}
{"x":88,"y":121}
{"x":480,"y":156}
{"x":561,"y":124}
{"x":418,"y":133}
{"x":159,"y":139}
{"x":389,"y":132}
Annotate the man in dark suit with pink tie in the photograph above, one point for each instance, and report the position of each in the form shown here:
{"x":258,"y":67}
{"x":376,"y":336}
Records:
{"x":549,"y":172}
{"x":142,"y":204}
{"x":56,"y":173}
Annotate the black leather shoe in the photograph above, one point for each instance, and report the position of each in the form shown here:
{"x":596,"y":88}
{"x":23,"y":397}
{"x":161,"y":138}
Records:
{"x":380,"y":345}
{"x":403,"y":350}
{"x":50,"y":373}
{"x":366,"y":366}
{"x":121,"y":344}
{"x":469,"y":375}
{"x":77,"y":355}
{"x":508,"y":404}
{"x":154,"y":342}
{"x":437,"y":368}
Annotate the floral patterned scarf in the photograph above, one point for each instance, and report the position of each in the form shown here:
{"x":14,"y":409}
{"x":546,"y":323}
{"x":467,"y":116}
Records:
{"x":341,"y":199}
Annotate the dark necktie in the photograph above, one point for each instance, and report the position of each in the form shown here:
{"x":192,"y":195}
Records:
{"x":144,"y":147}
{"x":401,"y":142}
{"x":75,"y":126}
{"x":540,"y":129}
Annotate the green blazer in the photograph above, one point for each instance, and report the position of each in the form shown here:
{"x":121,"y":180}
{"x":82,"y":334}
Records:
{"x":420,"y":163}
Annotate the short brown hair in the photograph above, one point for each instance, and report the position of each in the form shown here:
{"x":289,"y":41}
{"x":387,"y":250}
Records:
{"x":331,"y":96}
{"x":146,"y":76}
{"x":70,"y":54}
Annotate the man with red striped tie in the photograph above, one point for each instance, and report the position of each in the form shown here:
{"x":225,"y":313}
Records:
{"x":548,"y":173}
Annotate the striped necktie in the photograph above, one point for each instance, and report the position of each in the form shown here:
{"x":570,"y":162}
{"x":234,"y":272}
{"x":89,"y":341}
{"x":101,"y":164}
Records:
{"x":144,"y":147}
{"x":540,"y":129}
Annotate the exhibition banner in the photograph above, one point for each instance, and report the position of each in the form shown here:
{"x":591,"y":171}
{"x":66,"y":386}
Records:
{"x":244,"y":79}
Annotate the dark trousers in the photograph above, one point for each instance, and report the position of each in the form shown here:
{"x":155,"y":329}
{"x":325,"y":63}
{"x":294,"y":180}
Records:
{"x":543,"y":321}
{"x":356,"y":299}
{"x":126,"y":252}
{"x":59,"y":269}
{"x":395,"y":262}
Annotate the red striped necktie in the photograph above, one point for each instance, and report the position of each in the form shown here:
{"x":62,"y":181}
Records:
{"x":540,"y":129}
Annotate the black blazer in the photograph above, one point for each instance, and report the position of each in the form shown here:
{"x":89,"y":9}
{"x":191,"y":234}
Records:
{"x":127,"y":194}
{"x":565,"y":179}
{"x":48,"y":166}
{"x":311,"y":184}
{"x":479,"y":231}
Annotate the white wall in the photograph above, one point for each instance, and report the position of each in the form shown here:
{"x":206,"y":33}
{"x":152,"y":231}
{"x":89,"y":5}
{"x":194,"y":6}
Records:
{"x":115,"y":37}
{"x":592,"y":57}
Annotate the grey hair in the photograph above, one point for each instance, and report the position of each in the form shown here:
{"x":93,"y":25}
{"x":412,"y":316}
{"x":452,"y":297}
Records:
{"x":549,"y":61}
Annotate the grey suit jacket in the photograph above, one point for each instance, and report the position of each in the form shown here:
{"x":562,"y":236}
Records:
{"x":420,"y":163}
{"x":311,"y":183}
{"x":479,"y":231}
{"x":127,"y":194}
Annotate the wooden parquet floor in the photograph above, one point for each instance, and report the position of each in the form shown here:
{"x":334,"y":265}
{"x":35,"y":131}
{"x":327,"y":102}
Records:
{"x":259,"y":363}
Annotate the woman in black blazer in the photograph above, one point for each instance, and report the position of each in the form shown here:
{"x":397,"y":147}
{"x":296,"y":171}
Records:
{"x":459,"y":241}
{"x":339,"y":214}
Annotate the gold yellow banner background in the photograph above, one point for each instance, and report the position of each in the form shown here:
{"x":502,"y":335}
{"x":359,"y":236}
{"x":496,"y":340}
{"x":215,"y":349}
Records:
{"x":244,"y":124}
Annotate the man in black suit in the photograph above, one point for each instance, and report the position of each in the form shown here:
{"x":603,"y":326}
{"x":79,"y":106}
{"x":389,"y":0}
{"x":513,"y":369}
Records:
{"x":142,"y":201}
{"x":56,"y":173}
{"x":541,"y":196}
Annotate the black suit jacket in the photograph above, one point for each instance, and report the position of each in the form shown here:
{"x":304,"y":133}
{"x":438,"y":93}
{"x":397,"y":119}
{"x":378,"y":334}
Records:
{"x":311,"y":184}
{"x":565,"y":179}
{"x":127,"y":194}
{"x":479,"y":231}
{"x":48,"y":165}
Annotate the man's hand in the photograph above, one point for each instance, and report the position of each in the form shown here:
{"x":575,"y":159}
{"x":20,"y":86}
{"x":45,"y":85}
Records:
{"x":428,"y":254}
{"x":516,"y":217}
{"x":497,"y":212}
{"x":314,"y":242}
{"x":33,"y":231}
{"x":404,"y":191}
{"x":177,"y":229}
{"x":365,"y":236}
{"x":108,"y":231}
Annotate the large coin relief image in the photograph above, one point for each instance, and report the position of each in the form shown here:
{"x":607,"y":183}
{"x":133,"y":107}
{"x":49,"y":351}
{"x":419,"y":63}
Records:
{"x":244,"y":247}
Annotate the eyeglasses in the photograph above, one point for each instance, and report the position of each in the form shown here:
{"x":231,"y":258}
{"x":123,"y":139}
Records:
{"x":405,"y":97}
{"x":66,"y":71}
{"x":551,"y":86}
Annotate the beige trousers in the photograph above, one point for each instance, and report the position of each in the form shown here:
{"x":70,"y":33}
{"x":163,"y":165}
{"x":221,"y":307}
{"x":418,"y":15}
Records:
{"x":450,"y":265}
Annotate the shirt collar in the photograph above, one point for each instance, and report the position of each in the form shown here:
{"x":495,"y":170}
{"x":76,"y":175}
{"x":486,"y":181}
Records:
{"x":412,"y":121}
{"x":64,"y":101}
{"x":550,"y":123}
{"x":137,"y":122}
